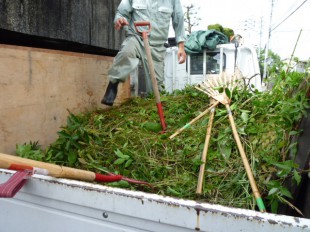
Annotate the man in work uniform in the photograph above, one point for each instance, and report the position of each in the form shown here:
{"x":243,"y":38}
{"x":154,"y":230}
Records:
{"x":158,"y":13}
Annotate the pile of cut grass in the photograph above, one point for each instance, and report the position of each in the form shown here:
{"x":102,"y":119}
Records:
{"x":126,"y":140}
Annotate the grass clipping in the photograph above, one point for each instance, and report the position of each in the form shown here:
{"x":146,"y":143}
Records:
{"x":125,"y":140}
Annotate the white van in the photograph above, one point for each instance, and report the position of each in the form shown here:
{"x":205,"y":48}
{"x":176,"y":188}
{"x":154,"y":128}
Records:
{"x":199,"y":67}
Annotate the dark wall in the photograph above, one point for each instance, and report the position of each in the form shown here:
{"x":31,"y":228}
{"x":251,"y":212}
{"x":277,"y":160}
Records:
{"x":89,"y":22}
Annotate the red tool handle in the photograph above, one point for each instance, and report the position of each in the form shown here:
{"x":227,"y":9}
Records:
{"x":17,"y":163}
{"x":161,"y":116}
{"x":142,"y":24}
{"x":98,"y":177}
{"x":107,"y":178}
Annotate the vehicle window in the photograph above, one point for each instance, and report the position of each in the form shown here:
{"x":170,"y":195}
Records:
{"x":212,"y":63}
{"x":197,"y":64}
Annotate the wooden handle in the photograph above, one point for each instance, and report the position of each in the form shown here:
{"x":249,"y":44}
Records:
{"x":53,"y":170}
{"x":245,"y":162}
{"x":204,"y":153}
{"x":194,"y":120}
{"x":151,"y":67}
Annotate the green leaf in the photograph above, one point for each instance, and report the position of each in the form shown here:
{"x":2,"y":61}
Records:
{"x":63,"y":134}
{"x":68,"y":144}
{"x":225,"y":150}
{"x":274,"y":206}
{"x":297,"y":177}
{"x":82,"y":161}
{"x":128,"y":163}
{"x":172,"y":191}
{"x":152,"y":126}
{"x":294,"y":133}
{"x":197,"y":161}
{"x":273,"y":191}
{"x":75,"y":137}
{"x":126,"y":157}
{"x":59,"y":155}
{"x":119,"y":161}
{"x":219,"y":88}
{"x":245,"y":116}
{"x":119,"y":153}
{"x":274,"y":183}
{"x":233,"y":106}
{"x":119,"y":184}
{"x":72,"y":158}
{"x":48,"y":156}
{"x":228,"y":93}
{"x":285,"y":192}
{"x":287,"y":165}
{"x":194,"y":94}
{"x":74,"y":118}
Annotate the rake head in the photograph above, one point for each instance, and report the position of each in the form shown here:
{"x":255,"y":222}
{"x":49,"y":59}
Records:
{"x":216,"y":86}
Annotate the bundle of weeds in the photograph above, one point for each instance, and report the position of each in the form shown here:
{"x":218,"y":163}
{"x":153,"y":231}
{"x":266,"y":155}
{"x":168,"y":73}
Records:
{"x":126,"y":140}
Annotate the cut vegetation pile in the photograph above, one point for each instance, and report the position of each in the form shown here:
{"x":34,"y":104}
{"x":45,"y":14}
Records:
{"x":125,"y":140}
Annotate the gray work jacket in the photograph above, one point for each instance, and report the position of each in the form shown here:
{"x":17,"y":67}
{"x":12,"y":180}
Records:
{"x":158,"y":13}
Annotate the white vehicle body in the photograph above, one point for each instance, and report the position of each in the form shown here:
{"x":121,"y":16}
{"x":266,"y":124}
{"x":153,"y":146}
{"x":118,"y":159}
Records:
{"x":209,"y":63}
{"x":51,"y":204}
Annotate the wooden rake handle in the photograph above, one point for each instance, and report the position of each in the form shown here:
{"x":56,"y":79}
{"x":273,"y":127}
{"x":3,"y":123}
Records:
{"x":204,"y":153}
{"x":194,"y":120}
{"x":245,"y":161}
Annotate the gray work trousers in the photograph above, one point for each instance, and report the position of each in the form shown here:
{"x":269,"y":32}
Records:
{"x":127,"y":59}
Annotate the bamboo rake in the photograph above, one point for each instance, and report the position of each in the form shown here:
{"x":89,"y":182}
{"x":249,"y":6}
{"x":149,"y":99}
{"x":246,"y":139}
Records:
{"x":210,"y":87}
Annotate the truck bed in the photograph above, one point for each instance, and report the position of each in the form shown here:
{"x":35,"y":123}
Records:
{"x":55,"y":204}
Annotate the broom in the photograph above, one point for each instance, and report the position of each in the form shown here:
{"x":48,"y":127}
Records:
{"x":211,"y":87}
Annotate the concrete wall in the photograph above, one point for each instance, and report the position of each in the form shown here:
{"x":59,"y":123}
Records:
{"x":38,"y":86}
{"x":88,"y":22}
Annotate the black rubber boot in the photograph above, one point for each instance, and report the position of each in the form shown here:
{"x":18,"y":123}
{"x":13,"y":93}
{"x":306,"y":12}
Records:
{"x":110,"y":94}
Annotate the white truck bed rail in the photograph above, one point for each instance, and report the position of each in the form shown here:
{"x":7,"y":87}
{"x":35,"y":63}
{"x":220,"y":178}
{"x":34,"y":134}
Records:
{"x":50,"y":204}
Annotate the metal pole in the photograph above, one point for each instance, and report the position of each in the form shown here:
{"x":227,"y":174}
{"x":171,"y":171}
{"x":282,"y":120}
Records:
{"x":288,"y":66}
{"x":267,"y":45}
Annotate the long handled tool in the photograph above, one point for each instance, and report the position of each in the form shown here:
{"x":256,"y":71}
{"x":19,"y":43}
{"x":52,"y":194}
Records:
{"x":17,"y":163}
{"x":210,"y":87}
{"x":194,"y":120}
{"x":205,"y":151}
{"x":151,"y":68}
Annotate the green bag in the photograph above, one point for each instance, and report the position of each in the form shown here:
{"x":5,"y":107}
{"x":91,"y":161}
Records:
{"x":197,"y":41}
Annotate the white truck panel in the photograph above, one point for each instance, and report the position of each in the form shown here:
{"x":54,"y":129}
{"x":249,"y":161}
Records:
{"x":177,"y":76}
{"x":50,"y":204}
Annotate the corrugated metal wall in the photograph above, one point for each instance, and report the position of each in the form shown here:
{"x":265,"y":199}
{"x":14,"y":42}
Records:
{"x":89,"y":22}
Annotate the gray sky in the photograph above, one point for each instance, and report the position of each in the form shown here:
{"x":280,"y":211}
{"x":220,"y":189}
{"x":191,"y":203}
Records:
{"x":231,"y":14}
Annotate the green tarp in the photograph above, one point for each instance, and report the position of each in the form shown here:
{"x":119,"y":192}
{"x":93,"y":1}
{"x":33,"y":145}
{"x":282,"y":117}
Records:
{"x":197,"y":41}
